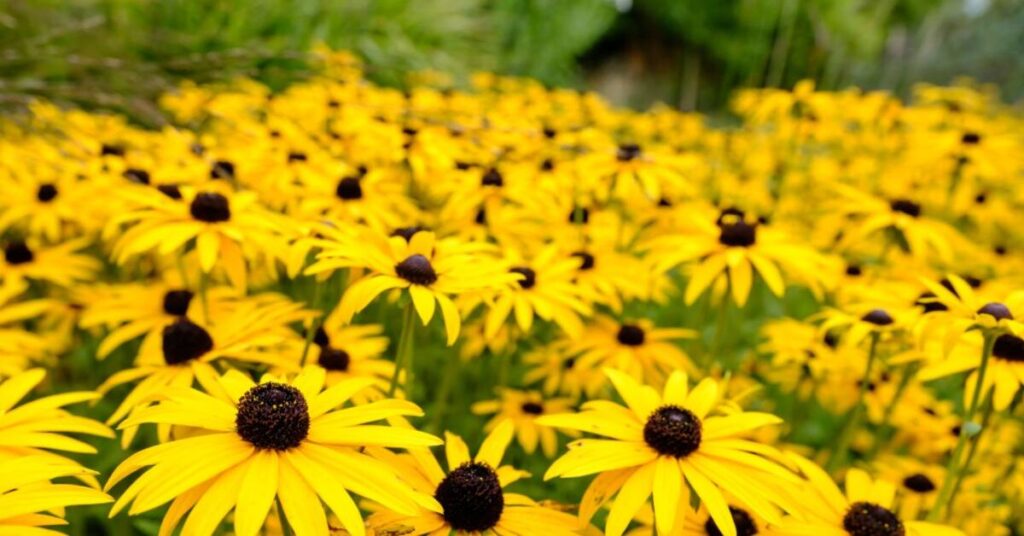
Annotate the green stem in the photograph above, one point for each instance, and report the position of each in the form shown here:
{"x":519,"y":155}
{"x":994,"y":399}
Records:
{"x":723,"y":310}
{"x":311,"y":331}
{"x":286,"y":529}
{"x":988,"y":405}
{"x":451,"y":372}
{"x":953,"y":468}
{"x":850,"y":429}
{"x":404,"y":348}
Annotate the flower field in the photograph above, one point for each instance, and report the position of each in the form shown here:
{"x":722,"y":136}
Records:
{"x":513,"y":310}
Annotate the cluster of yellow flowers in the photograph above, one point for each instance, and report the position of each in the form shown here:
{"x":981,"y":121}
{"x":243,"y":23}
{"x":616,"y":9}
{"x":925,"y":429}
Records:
{"x":713,"y":320}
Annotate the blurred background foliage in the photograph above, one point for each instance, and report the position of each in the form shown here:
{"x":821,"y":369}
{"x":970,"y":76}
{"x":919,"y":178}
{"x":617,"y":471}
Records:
{"x":120,"y":54}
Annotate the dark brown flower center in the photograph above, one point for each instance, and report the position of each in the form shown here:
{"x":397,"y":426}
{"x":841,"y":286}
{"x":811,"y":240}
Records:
{"x":529,"y":276}
{"x":139,"y":176}
{"x":18,"y":253}
{"x":533,"y":408}
{"x":919,"y":483}
{"x":627,"y":152}
{"x":905,"y":206}
{"x":970,"y":138}
{"x":1009,"y":348}
{"x":46,"y":192}
{"x":184,"y":340}
{"x":210,"y":207}
{"x":273,"y":416}
{"x":176,"y":302}
{"x":673,"y":431}
{"x":996,"y":310}
{"x":492,"y":178}
{"x":929,"y":303}
{"x":586,"y":258}
{"x":471,"y":497}
{"x":349,"y":189}
{"x":222,"y":169}
{"x":631,"y":335}
{"x":417,"y":270}
{"x":878,"y":317}
{"x":407,"y":232}
{"x":334,"y":359}
{"x":868,"y":519}
{"x":745,"y":525}
{"x":170,"y":190}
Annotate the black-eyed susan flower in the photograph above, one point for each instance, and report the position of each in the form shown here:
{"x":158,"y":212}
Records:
{"x":542,"y":288}
{"x":61,"y":264}
{"x":522,"y":409}
{"x":737,"y":246}
{"x":658,"y":442}
{"x":471,"y":494}
{"x":276,"y":440}
{"x":866,"y":509}
{"x":637,"y":347}
{"x":430,"y":270}
{"x":226,"y":228}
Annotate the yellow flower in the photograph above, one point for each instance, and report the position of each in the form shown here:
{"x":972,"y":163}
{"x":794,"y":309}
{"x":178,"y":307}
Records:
{"x":471,"y":494}
{"x":275,"y":439}
{"x":660,"y":440}
{"x":865,"y":509}
{"x":735,"y":246}
{"x":523,"y":409}
{"x":430,"y":270}
{"x":638,"y":348}
{"x":543,"y":288}
{"x":60,"y":264}
{"x":226,"y":227}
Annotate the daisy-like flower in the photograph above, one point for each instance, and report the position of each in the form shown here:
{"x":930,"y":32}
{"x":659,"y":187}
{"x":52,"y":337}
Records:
{"x":254,"y":332}
{"x":866,"y":509}
{"x":544,"y":288}
{"x":522,"y":409}
{"x":60,"y":264}
{"x":737,"y":246}
{"x":471,"y":494}
{"x":375,"y":197}
{"x":637,"y":348}
{"x":903,"y":218}
{"x":429,"y":269}
{"x":275,"y":439}
{"x":29,"y":500}
{"x":660,"y":441}
{"x":629,"y":170}
{"x":226,"y":227}
{"x":43,"y":202}
{"x":918,"y":483}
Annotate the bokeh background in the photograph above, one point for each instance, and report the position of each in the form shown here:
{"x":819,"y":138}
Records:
{"x":121,"y":54}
